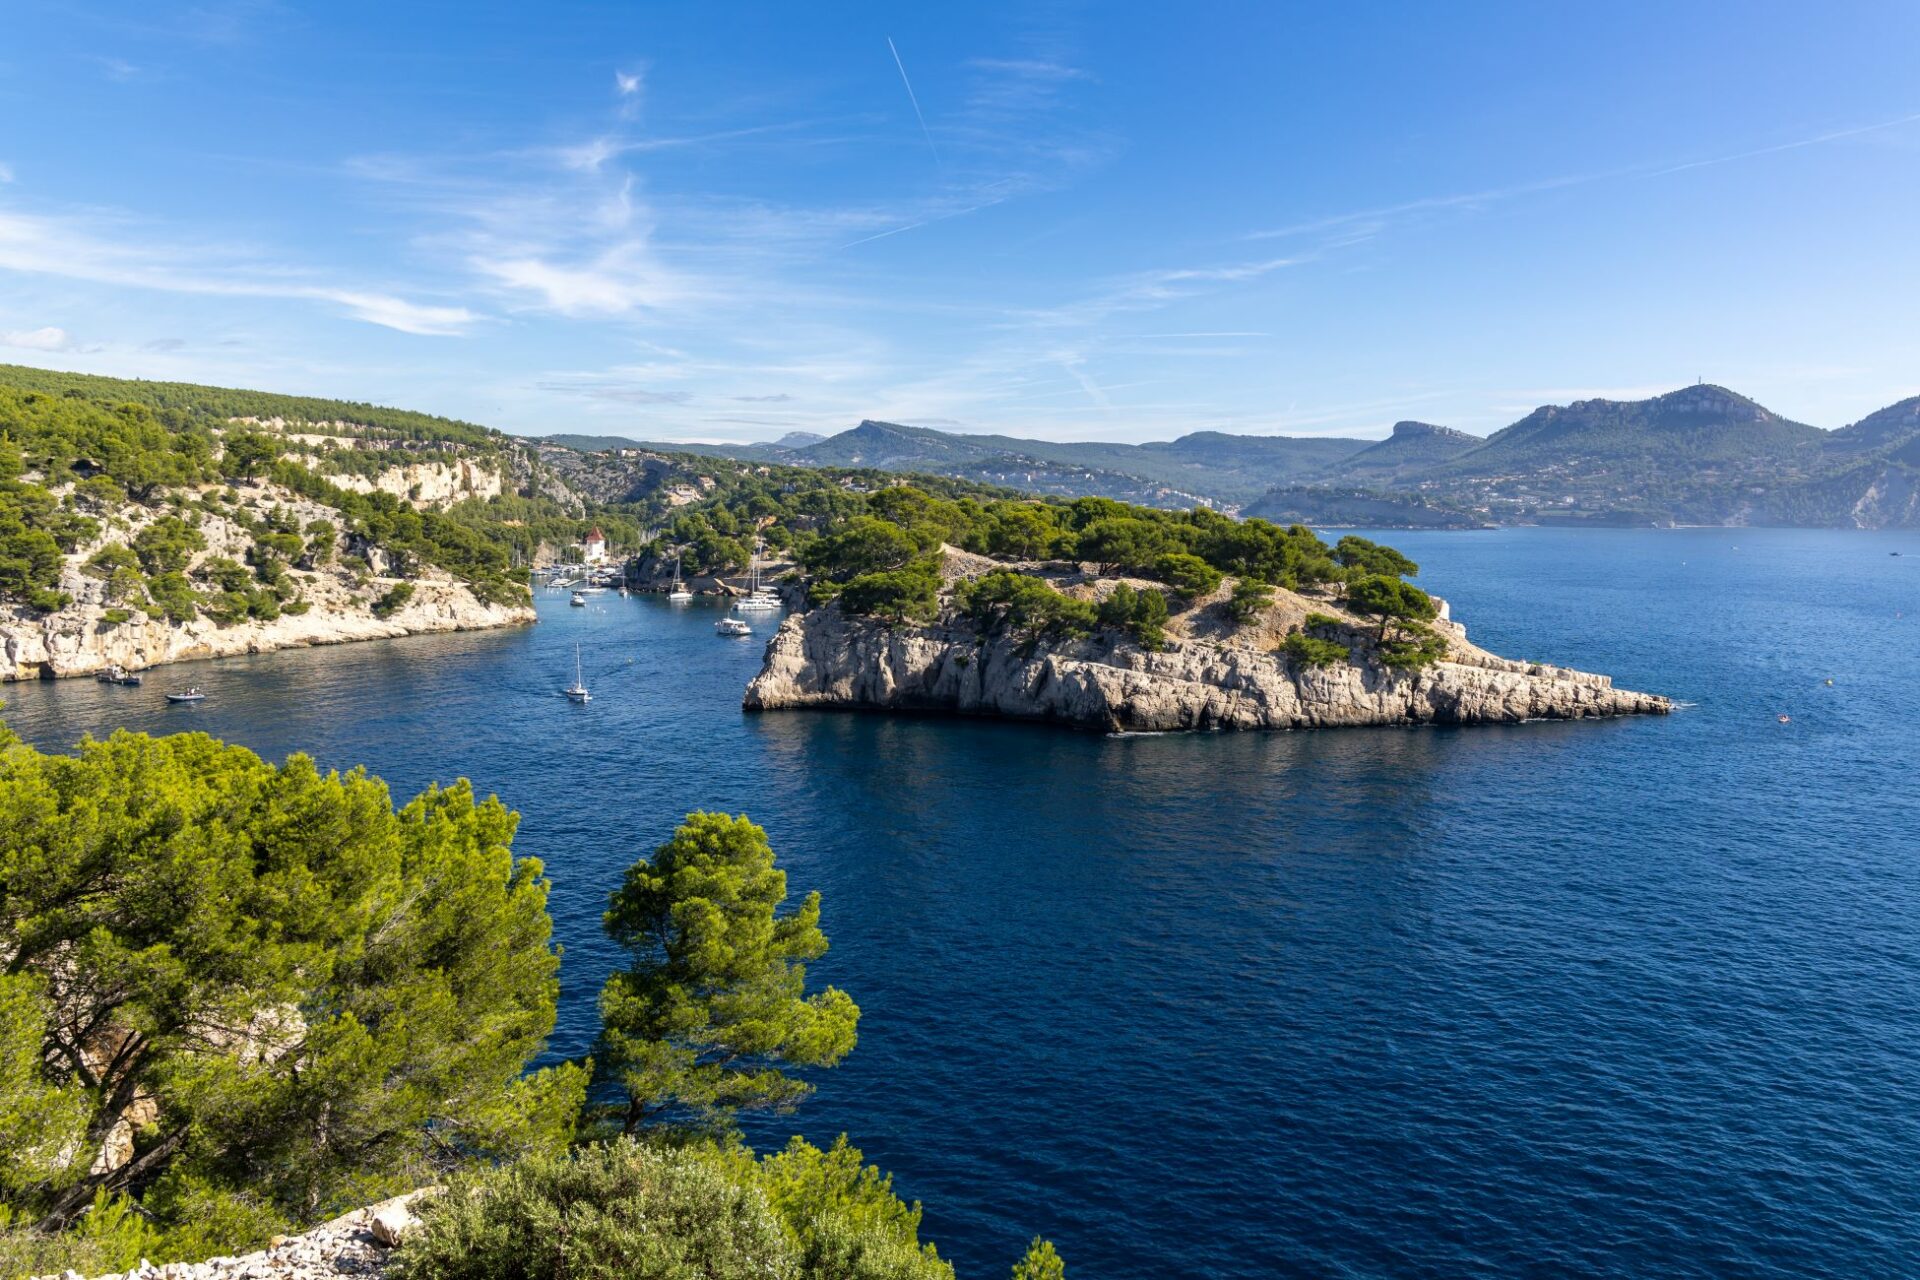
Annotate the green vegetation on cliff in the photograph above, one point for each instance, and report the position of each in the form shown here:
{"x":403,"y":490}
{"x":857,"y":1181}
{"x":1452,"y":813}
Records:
{"x":238,"y":999}
{"x":248,"y":996}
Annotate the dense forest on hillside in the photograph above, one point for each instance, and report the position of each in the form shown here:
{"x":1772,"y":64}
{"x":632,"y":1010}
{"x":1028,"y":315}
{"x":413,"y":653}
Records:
{"x":226,"y":402}
{"x":78,"y":467}
{"x":879,"y":552}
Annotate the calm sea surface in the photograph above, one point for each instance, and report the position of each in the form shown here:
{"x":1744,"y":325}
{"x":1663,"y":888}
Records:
{"x":1637,"y":998}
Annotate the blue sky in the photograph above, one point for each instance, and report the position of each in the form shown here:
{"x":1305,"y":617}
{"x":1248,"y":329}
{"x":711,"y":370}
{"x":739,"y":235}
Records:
{"x":1126,"y":221}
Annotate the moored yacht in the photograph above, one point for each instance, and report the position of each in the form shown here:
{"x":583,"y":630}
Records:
{"x":759,"y":597}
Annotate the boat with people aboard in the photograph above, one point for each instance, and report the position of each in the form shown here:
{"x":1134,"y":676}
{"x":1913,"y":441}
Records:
{"x":732,"y":626}
{"x":117,"y":674}
{"x":192,"y":694}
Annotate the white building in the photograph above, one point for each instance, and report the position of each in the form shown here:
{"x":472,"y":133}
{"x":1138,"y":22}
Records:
{"x":593,"y":549}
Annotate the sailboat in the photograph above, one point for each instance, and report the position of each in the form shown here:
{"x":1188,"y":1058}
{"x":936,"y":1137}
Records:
{"x":577,"y":691}
{"x":759,"y":598}
{"x":678,"y":594}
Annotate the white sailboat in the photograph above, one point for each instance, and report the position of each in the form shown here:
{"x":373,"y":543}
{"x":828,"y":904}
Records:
{"x":577,"y":691}
{"x":678,"y":593}
{"x":759,"y":598}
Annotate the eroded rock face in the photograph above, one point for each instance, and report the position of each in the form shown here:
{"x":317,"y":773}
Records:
{"x":825,"y":658}
{"x":76,"y":642}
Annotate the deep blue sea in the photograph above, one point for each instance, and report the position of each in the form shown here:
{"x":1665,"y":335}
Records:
{"x":1627,"y":999}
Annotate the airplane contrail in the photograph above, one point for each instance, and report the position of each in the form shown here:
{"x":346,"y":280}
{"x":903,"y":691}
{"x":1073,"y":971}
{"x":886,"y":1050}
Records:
{"x":914,"y":99}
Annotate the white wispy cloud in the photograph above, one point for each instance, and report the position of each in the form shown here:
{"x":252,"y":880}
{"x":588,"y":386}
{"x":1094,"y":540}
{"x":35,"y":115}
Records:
{"x":91,"y":249}
{"x":617,"y":390}
{"x":1361,"y":223}
{"x":6,"y":172}
{"x":913,"y":98}
{"x":46,"y":338}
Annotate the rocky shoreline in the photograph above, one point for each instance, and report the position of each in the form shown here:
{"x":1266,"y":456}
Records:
{"x":1207,"y":676}
{"x":76,"y":642}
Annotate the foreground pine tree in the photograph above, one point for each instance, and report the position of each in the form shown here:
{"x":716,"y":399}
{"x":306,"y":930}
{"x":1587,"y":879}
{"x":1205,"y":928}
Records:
{"x":254,"y":996}
{"x":714,"y":1004}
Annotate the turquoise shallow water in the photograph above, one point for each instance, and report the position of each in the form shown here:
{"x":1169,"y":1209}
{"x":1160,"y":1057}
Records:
{"x":1616,"y":999}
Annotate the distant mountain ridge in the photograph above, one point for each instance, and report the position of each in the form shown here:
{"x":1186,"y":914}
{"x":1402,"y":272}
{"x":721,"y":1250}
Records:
{"x":1698,"y":455}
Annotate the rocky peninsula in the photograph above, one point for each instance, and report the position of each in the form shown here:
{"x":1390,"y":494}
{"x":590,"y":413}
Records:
{"x":1210,"y":672}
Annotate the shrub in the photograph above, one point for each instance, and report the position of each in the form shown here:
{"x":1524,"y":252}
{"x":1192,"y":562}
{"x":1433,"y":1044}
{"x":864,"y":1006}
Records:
{"x":1126,"y":542}
{"x":620,"y":1210}
{"x":1389,"y":599}
{"x":1187,"y":574}
{"x":1022,"y":602}
{"x":635,"y":1211}
{"x":168,"y":545}
{"x":1042,"y":1262}
{"x":866,"y":544}
{"x":397,"y":595}
{"x":1311,"y":651}
{"x":844,"y":1216}
{"x":173,"y":595}
{"x":1141,"y":614}
{"x":110,"y":1236}
{"x":1412,"y":646}
{"x":1363,"y":556}
{"x":896,"y":594}
{"x":1250,"y":599}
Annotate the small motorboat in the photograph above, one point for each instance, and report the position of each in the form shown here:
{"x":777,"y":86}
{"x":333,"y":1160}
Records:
{"x":579,"y":600}
{"x":191,"y":695}
{"x":731,"y":626}
{"x":118,"y":675}
{"x":1784,"y":718}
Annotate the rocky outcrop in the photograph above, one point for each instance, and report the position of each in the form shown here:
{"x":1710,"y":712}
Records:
{"x":433,"y":484}
{"x":1242,"y":680}
{"x":77,"y":642}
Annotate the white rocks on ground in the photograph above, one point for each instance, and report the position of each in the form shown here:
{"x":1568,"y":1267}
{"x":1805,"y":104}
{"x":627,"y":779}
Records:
{"x":357,"y":1244}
